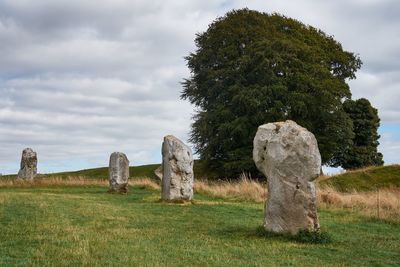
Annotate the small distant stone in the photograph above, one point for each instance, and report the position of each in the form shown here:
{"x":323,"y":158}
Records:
{"x":28,"y":169}
{"x":118,"y":173}
{"x":177,"y":170}
{"x":287,"y":154}
{"x":159,"y":172}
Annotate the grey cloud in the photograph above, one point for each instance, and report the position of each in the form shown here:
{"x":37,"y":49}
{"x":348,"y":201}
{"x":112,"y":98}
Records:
{"x":383,"y":91}
{"x":81,"y":79}
{"x":78,"y":35}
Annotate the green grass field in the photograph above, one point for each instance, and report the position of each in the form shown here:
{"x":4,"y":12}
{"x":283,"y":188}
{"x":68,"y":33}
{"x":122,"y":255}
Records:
{"x":85,"y":226}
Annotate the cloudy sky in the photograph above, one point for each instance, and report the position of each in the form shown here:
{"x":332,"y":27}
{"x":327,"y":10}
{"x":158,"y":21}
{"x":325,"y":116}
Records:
{"x":81,"y":79}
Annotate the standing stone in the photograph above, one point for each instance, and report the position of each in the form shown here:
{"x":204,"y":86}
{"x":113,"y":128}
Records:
{"x":177,"y":170}
{"x":118,"y":173}
{"x":287,"y":154}
{"x":28,"y":168}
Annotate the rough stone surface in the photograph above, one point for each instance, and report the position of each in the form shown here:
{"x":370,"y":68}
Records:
{"x":287,"y":154}
{"x":177,"y":170}
{"x":28,"y":168}
{"x":118,"y":172}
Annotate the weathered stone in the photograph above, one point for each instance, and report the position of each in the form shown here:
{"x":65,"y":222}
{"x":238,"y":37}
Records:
{"x":177,"y":170}
{"x":118,"y":172}
{"x":28,"y":169}
{"x":288,"y":156}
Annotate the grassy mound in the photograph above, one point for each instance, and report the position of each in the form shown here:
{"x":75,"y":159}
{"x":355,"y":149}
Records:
{"x":367,"y":179}
{"x":102,"y":173}
{"x":135,"y":172}
{"x":85,"y":226}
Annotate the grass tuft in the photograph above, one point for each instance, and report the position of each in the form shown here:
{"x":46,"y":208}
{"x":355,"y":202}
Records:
{"x":176,"y":201}
{"x":312,"y":237}
{"x":303,"y":236}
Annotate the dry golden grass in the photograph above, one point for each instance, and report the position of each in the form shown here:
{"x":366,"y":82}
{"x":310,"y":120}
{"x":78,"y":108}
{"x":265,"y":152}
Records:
{"x":383,"y":204}
{"x":244,"y":189}
{"x":74,"y":181}
{"x":144,"y":183}
{"x":53,"y":181}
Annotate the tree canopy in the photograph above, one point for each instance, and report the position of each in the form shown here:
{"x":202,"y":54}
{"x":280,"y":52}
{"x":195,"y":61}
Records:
{"x":252,"y":68}
{"x":363,"y":150}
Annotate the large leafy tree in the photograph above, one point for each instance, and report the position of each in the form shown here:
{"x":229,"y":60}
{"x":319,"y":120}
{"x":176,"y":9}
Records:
{"x":363,"y":150}
{"x":252,"y":68}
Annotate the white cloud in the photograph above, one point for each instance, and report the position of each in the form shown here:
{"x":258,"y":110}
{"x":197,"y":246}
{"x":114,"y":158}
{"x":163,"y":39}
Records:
{"x":383,"y":91}
{"x":390,"y":146}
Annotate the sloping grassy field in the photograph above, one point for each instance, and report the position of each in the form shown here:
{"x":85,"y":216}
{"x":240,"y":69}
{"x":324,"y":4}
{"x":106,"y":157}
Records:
{"x":102,"y":173}
{"x":134,"y":171}
{"x":85,"y":226}
{"x":367,"y":179}
{"x":99,"y":173}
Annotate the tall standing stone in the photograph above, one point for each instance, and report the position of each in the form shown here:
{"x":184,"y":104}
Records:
{"x":177,"y":170}
{"x":28,"y":169}
{"x":118,"y":173}
{"x":288,"y":156}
